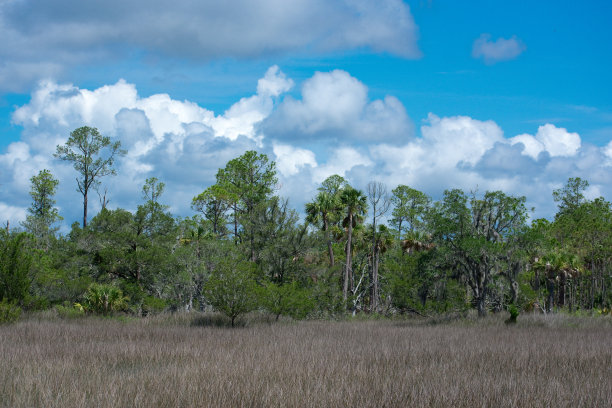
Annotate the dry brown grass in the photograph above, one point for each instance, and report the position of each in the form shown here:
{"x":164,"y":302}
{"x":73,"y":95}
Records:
{"x":166,"y":362}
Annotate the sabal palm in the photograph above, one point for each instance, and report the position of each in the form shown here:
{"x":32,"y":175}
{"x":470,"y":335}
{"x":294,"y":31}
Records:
{"x":416,"y":241}
{"x":321,"y":210}
{"x":558,"y":266}
{"x":355,"y":204}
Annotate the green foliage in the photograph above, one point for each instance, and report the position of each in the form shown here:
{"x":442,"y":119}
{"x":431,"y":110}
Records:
{"x":571,"y":195}
{"x":9,"y":312}
{"x":231,"y":288}
{"x":42,"y":214}
{"x":15,"y":264}
{"x":153,"y":305}
{"x":70,"y":312}
{"x":288,"y":299}
{"x":213,"y":203}
{"x":104,"y":299}
{"x":476,"y":237}
{"x":83,"y":149}
{"x":514,"y":312}
{"x":409,"y":209}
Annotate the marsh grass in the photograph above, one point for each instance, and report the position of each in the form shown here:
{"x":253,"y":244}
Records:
{"x":195,"y":360}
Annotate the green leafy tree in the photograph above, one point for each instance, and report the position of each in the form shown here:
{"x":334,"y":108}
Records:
{"x":409,"y":209}
{"x":247,"y":182}
{"x":92,"y":156}
{"x":333,"y":185}
{"x":288,"y":299}
{"x":476,"y":237}
{"x":213,"y":203}
{"x":279,"y":242}
{"x":584,"y":229}
{"x":134,"y":250}
{"x":15,"y":263}
{"x":231,"y":287}
{"x":42,"y":214}
{"x":571,"y":195}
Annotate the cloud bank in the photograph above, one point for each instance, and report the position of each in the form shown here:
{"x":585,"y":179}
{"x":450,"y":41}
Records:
{"x":331,"y":127}
{"x":40,"y":39}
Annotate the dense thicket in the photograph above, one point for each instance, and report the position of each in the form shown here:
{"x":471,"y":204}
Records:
{"x":357,"y":251}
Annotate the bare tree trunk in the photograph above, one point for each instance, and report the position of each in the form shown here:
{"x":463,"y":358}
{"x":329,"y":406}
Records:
{"x":375,"y":288}
{"x":330,"y":248}
{"x":550,"y":286}
{"x":85,"y":209}
{"x":348,"y":266}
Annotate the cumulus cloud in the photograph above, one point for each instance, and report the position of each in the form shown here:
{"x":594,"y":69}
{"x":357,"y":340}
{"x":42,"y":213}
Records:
{"x":335,"y":106}
{"x":42,"y":38}
{"x":555,"y":141}
{"x":173,"y":140}
{"x":184,"y":144}
{"x":290,"y":159}
{"x":499,"y":50}
{"x":608,"y":152}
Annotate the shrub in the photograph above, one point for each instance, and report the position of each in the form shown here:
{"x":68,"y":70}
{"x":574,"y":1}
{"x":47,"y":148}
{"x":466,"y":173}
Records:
{"x":231,"y":288}
{"x":286,"y":299}
{"x":153,"y":305}
{"x":514,"y":312}
{"x":15,"y":263}
{"x":69,"y":312}
{"x":9,"y":312}
{"x":104,"y":299}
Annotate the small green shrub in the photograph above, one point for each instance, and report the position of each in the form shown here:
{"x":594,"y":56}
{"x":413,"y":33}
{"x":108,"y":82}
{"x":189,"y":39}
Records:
{"x":9,"y":312}
{"x":69,"y":312}
{"x":514,"y":312}
{"x":153,"y":305}
{"x":288,"y":299}
{"x":104,"y":299}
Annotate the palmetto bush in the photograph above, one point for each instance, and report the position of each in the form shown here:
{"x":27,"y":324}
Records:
{"x":104,"y":299}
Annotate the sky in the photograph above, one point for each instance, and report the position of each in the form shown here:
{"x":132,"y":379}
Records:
{"x":479,"y":95}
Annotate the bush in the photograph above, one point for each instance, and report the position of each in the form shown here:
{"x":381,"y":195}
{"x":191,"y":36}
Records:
{"x":231,"y":288}
{"x":514,"y":312}
{"x":104,"y":299}
{"x":69,"y":312}
{"x":286,"y":299}
{"x":9,"y":312}
{"x":15,"y":263}
{"x":153,"y":305}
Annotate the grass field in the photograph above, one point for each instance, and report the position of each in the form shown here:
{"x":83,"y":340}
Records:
{"x":184,"y":361}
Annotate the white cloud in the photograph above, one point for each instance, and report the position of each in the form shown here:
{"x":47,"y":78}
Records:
{"x":335,"y":105}
{"x":558,"y":142}
{"x":608,"y":152}
{"x":184,"y":144}
{"x":532,"y":146}
{"x":14,"y":215}
{"x":500,"y":50}
{"x":290,"y":159}
{"x":341,"y":161}
{"x":41,"y":39}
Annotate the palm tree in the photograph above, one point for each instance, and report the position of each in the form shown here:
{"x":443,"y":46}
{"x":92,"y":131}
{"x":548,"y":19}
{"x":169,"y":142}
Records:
{"x":416,"y":241}
{"x":355,"y":205}
{"x":321,"y":210}
{"x":558,"y":267}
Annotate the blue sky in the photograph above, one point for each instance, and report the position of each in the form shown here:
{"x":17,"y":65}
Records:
{"x":478,"y":95}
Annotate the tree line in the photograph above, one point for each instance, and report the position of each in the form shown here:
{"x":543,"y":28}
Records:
{"x":374,"y":251}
